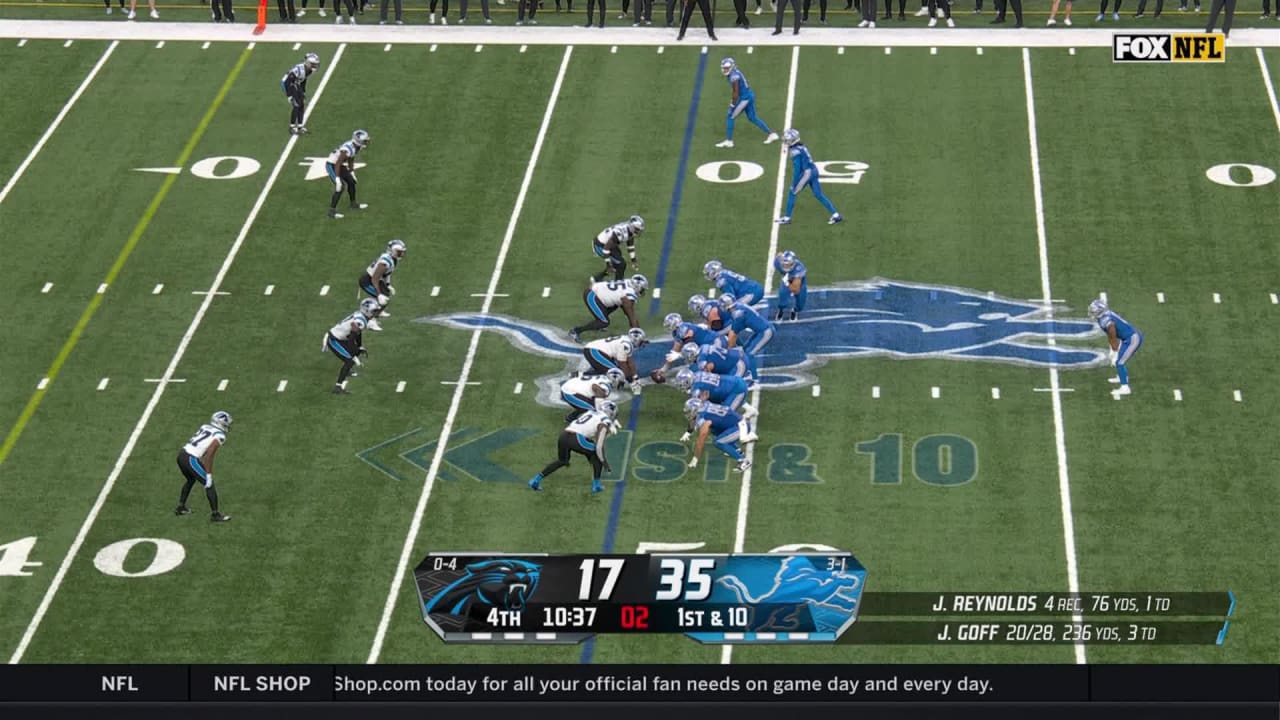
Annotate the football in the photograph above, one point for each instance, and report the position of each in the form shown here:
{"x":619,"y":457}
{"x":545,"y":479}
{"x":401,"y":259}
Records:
{"x":658,"y":376}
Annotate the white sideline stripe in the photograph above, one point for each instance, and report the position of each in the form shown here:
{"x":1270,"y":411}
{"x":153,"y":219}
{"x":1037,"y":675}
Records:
{"x":49,"y":286}
{"x":995,"y":393}
{"x":282,"y":385}
{"x":270,"y":289}
{"x":141,"y":425}
{"x":621,"y":36}
{"x":1237,"y":396}
{"x":57,"y":120}
{"x":400,"y":386}
{"x":222,"y":384}
{"x":1271,"y":89}
{"x":446,"y":429}
{"x":1160,"y":297}
{"x":744,"y":495}
{"x":102,"y":384}
{"x":519,"y":388}
{"x":159,"y":288}
{"x":1177,"y":394}
{"x":324,"y":290}
{"x":1217,"y":299}
{"x":1059,"y":432}
{"x":935,"y":392}
{"x":875,"y":391}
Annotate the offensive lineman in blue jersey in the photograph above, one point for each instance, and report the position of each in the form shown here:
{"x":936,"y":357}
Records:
{"x":793,"y":291}
{"x":743,"y":318}
{"x":294,"y":83}
{"x":1124,"y":338}
{"x":683,"y":333}
{"x":709,"y":418}
{"x":743,"y":100}
{"x":804,"y":173}
{"x":729,"y":282}
{"x":728,"y":390}
{"x":721,"y":360}
{"x":709,"y":311}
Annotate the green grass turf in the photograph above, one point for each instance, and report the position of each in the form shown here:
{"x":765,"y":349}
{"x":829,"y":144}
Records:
{"x":1167,"y":495}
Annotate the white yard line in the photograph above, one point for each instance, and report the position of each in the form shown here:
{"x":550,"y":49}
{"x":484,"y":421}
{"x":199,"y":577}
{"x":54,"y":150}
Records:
{"x":744,"y":495}
{"x":84,"y":85}
{"x":1059,"y":432}
{"x":1271,"y":88}
{"x":446,"y":429}
{"x":141,"y":425}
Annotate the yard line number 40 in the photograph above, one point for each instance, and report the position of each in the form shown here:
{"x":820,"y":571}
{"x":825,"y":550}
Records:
{"x":15,"y":557}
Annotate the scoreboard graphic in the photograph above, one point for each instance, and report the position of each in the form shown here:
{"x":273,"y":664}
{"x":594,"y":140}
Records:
{"x":806,"y":597}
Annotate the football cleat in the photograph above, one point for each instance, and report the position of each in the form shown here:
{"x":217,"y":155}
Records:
{"x":374,"y":325}
{"x":535,"y":484}
{"x":835,"y":219}
{"x":743,"y":466}
{"x":725,"y":144}
{"x":359,"y":206}
{"x":749,"y":438}
{"x":1121,"y":392}
{"x":339,"y":390}
{"x":219,"y":517}
{"x":773,"y":137}
{"x":1114,"y":380}
{"x":596,"y":487}
{"x":335,"y":214}
{"x":795,"y":314}
{"x":182,"y":510}
{"x":784,"y":220}
{"x":672,"y":321}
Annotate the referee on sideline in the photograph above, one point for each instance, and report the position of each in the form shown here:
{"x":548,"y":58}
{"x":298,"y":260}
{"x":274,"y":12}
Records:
{"x":705,"y":6}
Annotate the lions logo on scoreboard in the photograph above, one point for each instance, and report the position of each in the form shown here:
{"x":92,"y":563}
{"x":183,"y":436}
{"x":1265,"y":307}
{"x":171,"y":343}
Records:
{"x":875,"y":318}
{"x":800,"y":593}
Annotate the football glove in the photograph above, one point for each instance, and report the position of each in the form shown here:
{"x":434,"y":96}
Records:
{"x":615,"y":427}
{"x":362,"y":351}
{"x":693,"y":462}
{"x":658,"y":376}
{"x":685,"y":437}
{"x":1111,"y":357}
{"x":391,"y":291}
{"x":384,"y":299}
{"x":635,"y":387}
{"x":672,"y":357}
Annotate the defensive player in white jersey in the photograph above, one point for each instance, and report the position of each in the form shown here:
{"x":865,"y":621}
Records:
{"x":376,"y":280}
{"x":195,"y":460}
{"x":616,"y":353}
{"x":602,"y":298}
{"x":608,"y":247}
{"x":346,"y":340}
{"x":585,"y":436}
{"x":582,"y":392}
{"x":341,"y":167}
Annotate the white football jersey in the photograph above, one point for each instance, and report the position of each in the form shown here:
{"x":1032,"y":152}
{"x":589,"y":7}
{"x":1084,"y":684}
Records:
{"x":385,"y":259}
{"x":199,"y":443}
{"x":612,"y":293}
{"x":584,"y":386}
{"x":351,"y":149}
{"x":350,"y":325}
{"x":588,"y":424}
{"x":621,"y":231}
{"x":618,"y":347}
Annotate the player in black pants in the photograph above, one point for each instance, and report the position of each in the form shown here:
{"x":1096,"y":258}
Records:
{"x":222,"y":11}
{"x":740,"y":7}
{"x":902,"y":9}
{"x":1142,"y":6}
{"x":822,"y":11}
{"x":1001,"y":6}
{"x":705,"y":6}
{"x":1218,"y":6}
{"x":108,"y":4}
{"x":294,"y":83}
{"x":795,"y":14}
{"x":591,"y":11}
{"x":532,"y":7}
{"x":287,"y":13}
{"x":946,"y":9}
{"x":585,"y":436}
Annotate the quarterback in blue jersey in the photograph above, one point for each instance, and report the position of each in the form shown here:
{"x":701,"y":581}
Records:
{"x":793,"y":291}
{"x":1124,"y":338}
{"x":729,"y":282}
{"x":804,"y":173}
{"x":727,"y":427}
{"x":721,"y":360}
{"x":743,"y":100}
{"x":744,"y":318}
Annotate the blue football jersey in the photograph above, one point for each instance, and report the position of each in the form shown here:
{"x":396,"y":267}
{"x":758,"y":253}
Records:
{"x":797,"y":271}
{"x":737,"y":284}
{"x":801,"y":160}
{"x":744,"y":89}
{"x":719,"y":417}
{"x":687,"y":332}
{"x":718,"y":387}
{"x":1124,"y":330}
{"x":745,"y":317}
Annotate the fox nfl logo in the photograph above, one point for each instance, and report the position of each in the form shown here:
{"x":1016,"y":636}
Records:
{"x":1168,"y":47}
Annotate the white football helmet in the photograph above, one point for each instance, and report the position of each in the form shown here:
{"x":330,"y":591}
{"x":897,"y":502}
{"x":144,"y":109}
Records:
{"x":684,"y":379}
{"x":637,"y":336}
{"x":787,"y":260}
{"x":369,"y":307}
{"x":692,"y":407}
{"x":790,"y":137}
{"x":727,"y":300}
{"x":617,"y":377}
{"x":636,"y":223}
{"x":672,"y":321}
{"x":639,"y":283}
{"x":608,"y":407}
{"x":1096,"y":308}
{"x":312,"y":60}
{"x":221,"y":420}
{"x":690,"y":352}
{"x":696,"y":303}
{"x":711,"y":269}
{"x":360,"y":138}
{"x":396,"y":248}
{"x":727,"y":65}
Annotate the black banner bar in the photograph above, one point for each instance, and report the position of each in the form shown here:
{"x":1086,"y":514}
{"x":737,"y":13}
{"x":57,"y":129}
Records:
{"x":647,"y":683}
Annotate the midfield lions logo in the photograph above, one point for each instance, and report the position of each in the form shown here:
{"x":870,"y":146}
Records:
{"x":848,"y":320}
{"x":503,"y":583}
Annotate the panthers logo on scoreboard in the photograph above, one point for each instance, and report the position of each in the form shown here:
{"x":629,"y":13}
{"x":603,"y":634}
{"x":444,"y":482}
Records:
{"x":1168,"y":47}
{"x":503,"y":583}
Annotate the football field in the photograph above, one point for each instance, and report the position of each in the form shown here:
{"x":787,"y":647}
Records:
{"x":942,"y":409}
